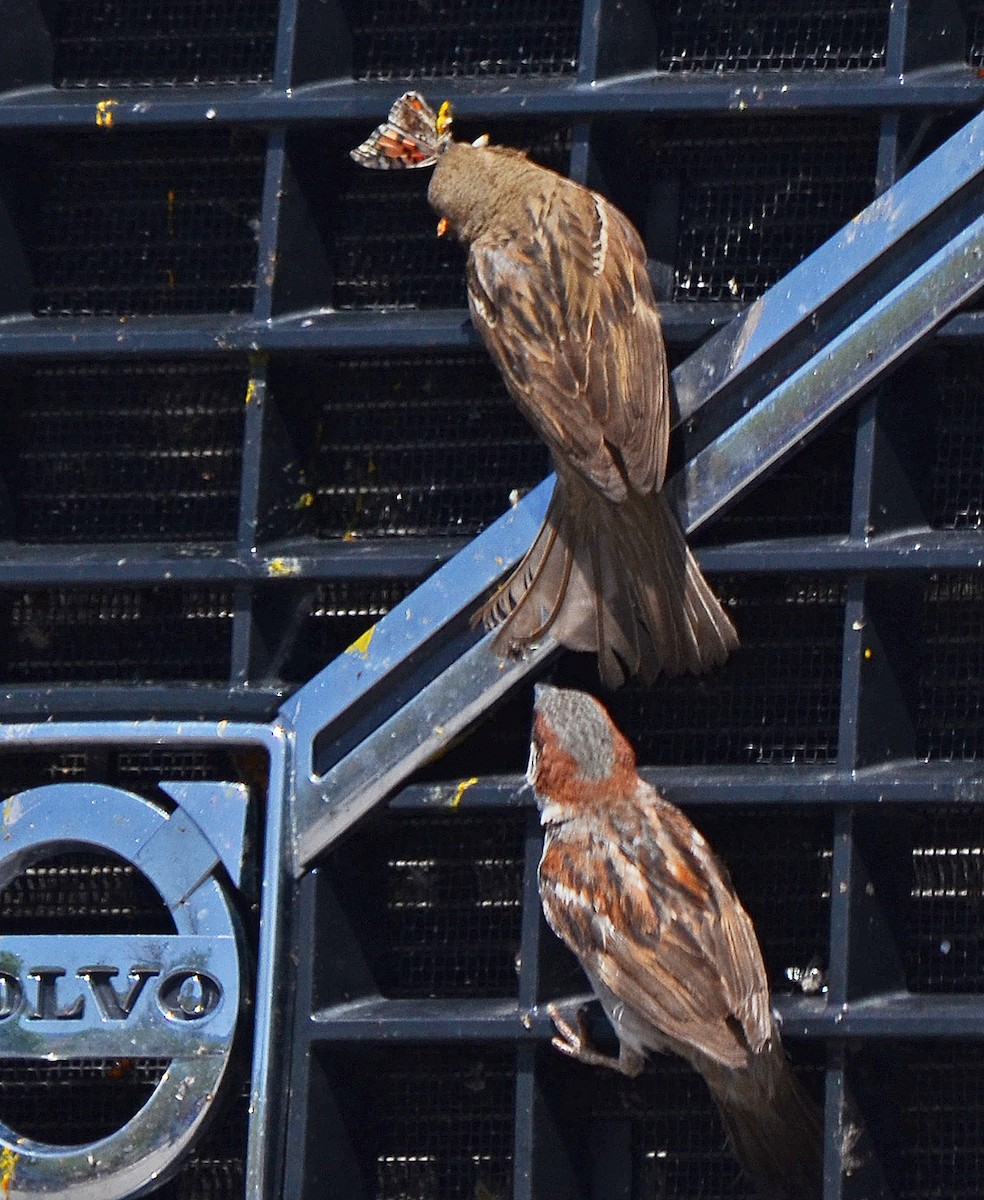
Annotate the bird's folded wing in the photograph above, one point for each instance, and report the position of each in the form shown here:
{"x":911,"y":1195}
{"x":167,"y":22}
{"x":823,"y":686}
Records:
{"x":659,"y":926}
{"x":565,"y":308}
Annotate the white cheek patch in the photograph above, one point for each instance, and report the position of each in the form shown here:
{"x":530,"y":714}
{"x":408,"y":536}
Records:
{"x":599,"y":248}
{"x":534,"y":763}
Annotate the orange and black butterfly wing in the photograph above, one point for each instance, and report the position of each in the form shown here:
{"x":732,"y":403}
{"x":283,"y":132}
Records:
{"x":412,"y":136}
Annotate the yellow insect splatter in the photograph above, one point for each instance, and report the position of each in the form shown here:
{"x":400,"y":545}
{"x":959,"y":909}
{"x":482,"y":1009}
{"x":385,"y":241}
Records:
{"x":361,"y":644}
{"x":104,"y":113}
{"x":460,"y":790}
{"x":8,"y":1164}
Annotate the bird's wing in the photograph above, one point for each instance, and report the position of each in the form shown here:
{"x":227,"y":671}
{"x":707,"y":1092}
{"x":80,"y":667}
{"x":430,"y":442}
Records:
{"x":652,"y":915}
{"x":566,"y":310}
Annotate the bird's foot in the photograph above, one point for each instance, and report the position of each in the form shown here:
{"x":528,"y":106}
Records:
{"x":576,"y":1042}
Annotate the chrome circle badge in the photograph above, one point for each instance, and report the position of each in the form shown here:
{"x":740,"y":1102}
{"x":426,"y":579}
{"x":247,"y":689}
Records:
{"x":111,"y":996}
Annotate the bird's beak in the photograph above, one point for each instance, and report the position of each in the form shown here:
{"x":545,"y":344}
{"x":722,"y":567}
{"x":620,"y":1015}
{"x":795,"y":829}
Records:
{"x":481,"y":142}
{"x":443,"y":226}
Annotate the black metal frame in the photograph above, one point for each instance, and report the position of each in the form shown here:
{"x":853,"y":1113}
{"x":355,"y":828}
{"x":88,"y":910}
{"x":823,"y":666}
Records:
{"x":881,"y":774}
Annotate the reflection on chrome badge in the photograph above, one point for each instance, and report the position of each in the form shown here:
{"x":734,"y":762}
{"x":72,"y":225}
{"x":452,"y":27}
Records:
{"x":172,"y":996}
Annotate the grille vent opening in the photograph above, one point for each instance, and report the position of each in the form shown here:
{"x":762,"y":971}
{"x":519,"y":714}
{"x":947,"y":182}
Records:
{"x":769,"y":35}
{"x":436,"y":901}
{"x":400,"y":39}
{"x":957,"y":402}
{"x":950,"y":692}
{"x":141,"y":223}
{"x":731,"y":225}
{"x":776,"y":700}
{"x":452,"y":1138}
{"x":172,"y":43}
{"x":943,"y":947}
{"x":146,"y":451}
{"x":426,"y":445}
{"x":115,"y":635}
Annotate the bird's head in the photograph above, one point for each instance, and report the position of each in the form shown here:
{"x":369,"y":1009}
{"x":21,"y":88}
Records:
{"x":476,"y":184}
{"x":575,"y":748}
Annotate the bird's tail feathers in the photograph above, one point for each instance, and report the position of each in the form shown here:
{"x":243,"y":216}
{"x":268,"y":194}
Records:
{"x":616,"y":579}
{"x":774,"y":1128}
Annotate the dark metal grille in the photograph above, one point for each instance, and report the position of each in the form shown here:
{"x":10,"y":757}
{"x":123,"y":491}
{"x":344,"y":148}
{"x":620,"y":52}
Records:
{"x":747,"y":218}
{"x":118,"y":43}
{"x":769,"y":35}
{"x":143,"y":452}
{"x":400,"y":39}
{"x":453,"y":897}
{"x":427,"y":446}
{"x":950,"y":704}
{"x":384,"y":250}
{"x":808,"y":497}
{"x":957,"y":402}
{"x":130,"y":223}
{"x":776,"y":700}
{"x":941,"y":1101}
{"x":943,"y":948}
{"x":437,"y":1124}
{"x":125,"y":635}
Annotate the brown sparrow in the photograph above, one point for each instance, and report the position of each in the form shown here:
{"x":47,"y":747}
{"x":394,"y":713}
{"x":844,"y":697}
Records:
{"x":558,"y":291}
{"x":638,"y":895}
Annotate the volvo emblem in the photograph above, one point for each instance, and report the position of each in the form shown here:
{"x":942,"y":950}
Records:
{"x":169,"y":996}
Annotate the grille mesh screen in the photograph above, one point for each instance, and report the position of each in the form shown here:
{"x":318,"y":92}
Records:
{"x":117,"y":43}
{"x":121,"y":635}
{"x":144,"y":452}
{"x":75,"y":1102}
{"x":943,"y":949}
{"x":135,"y":223}
{"x":957,"y":402}
{"x":769,"y":35}
{"x":950,"y":697}
{"x":941,"y":1098}
{"x":384,"y":249}
{"x":747,"y":218}
{"x":428,"y":446}
{"x":78,"y":893}
{"x":775,"y":701}
{"x":400,"y":39}
{"x":453,"y":887}
{"x":450,"y":1137}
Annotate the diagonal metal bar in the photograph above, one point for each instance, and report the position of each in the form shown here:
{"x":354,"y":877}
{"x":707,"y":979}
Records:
{"x":750,"y":396}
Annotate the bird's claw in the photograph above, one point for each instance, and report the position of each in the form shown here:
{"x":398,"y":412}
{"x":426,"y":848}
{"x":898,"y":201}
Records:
{"x":576,"y":1043}
{"x":573,"y":1043}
